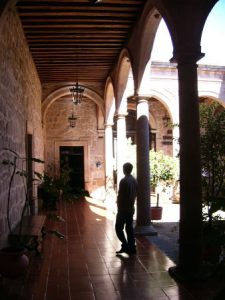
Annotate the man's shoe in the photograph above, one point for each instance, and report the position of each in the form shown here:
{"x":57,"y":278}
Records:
{"x":123,"y":250}
{"x":133,"y":252}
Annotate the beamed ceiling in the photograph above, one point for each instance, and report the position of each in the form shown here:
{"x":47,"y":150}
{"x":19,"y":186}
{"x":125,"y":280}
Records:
{"x":77,"y":40}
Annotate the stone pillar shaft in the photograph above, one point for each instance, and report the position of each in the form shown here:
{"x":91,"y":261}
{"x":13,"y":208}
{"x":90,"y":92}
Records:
{"x":121,"y":146}
{"x":143,"y":174}
{"x":190,"y":256}
{"x":109,"y":158}
{"x":108,"y":150}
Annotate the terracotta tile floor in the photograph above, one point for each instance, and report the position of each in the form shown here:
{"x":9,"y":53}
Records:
{"x":83,"y":265}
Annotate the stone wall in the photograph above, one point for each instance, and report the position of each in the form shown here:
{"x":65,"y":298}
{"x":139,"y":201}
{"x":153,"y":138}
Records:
{"x":20,"y":110}
{"x":164,"y":135}
{"x":85,"y":133}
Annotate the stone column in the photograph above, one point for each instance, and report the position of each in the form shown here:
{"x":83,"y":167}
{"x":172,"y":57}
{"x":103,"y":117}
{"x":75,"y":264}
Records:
{"x":120,"y":146}
{"x":143,"y":222}
{"x":190,"y":239}
{"x":109,"y":161}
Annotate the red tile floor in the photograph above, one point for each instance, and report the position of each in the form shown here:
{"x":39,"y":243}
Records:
{"x":84,"y":266}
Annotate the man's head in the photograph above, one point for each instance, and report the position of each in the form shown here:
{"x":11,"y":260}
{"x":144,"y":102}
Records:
{"x":127,"y":168}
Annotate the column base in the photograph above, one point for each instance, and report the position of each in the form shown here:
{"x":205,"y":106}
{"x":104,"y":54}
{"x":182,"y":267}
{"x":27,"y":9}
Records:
{"x":148,"y":230}
{"x":189,"y":276}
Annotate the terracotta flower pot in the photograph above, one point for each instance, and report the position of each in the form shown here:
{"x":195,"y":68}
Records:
{"x":156,"y":213}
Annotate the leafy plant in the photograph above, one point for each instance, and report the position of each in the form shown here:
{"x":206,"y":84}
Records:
{"x":163,"y":170}
{"x":17,"y":168}
{"x":212,"y":123}
{"x":48,"y":191}
{"x":212,"y":138}
{"x":64,"y":183}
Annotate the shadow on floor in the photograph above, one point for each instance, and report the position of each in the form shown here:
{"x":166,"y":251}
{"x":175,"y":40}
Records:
{"x":167,"y":238}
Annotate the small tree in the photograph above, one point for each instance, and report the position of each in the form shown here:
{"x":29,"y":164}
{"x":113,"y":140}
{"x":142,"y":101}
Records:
{"x":163,"y":170}
{"x":212,"y":123}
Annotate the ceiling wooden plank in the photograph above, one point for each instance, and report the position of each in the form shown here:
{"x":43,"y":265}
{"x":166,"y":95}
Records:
{"x":68,"y":37}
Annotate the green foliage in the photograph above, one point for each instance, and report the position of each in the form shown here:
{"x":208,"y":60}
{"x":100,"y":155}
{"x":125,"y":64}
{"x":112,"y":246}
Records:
{"x":212,"y":138}
{"x":48,"y":191}
{"x":51,"y":189}
{"x":49,"y":184}
{"x":64,"y":178}
{"x":17,"y":167}
{"x":212,"y":123}
{"x":63,"y":181}
{"x":163,"y":168}
{"x":69,"y":193}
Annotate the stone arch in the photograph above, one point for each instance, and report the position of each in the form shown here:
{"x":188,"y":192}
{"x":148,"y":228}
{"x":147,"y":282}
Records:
{"x":145,"y":38}
{"x":51,"y":98}
{"x":7,"y":4}
{"x":212,"y":95}
{"x":185,"y":39}
{"x":110,"y":106}
{"x":152,"y":121}
{"x":167,"y":99}
{"x":123,"y":71}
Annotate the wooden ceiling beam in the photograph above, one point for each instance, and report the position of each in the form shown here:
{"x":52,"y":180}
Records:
{"x":69,"y":38}
{"x":73,"y":45}
{"x":76,"y":26}
{"x":79,"y":2}
{"x":87,"y":31}
{"x":70,"y":13}
{"x":75,"y":40}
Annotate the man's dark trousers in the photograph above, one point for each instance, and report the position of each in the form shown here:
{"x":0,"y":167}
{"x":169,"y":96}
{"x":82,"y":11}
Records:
{"x":124,"y":218}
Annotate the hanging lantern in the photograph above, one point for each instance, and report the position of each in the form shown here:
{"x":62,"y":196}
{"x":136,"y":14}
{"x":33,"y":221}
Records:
{"x":72,"y":121}
{"x":77,"y":92}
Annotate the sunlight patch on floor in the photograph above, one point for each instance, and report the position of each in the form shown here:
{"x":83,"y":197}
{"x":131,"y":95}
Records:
{"x":99,"y":208}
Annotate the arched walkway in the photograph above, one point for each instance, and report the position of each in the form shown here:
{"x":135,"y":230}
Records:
{"x":83,"y":265}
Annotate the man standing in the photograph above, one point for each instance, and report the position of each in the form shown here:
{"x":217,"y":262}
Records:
{"x":125,"y":203}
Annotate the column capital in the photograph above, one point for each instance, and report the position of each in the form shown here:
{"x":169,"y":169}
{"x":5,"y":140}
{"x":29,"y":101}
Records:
{"x":121,"y":115}
{"x":186,"y":56}
{"x":108,"y":125}
{"x":138,"y":98}
{"x":100,"y":133}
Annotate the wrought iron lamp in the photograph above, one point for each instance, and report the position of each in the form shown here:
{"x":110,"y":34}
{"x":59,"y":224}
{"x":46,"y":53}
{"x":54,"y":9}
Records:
{"x":72,"y":120}
{"x":77,"y":92}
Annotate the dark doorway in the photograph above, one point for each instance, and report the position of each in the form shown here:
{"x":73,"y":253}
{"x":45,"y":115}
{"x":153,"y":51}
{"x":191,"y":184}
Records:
{"x":73,"y":157}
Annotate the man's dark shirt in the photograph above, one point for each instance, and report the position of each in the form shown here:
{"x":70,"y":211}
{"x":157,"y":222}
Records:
{"x":127,"y":194}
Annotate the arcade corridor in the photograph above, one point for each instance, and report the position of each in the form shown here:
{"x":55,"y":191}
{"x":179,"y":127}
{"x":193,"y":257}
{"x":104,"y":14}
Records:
{"x":83,"y":266}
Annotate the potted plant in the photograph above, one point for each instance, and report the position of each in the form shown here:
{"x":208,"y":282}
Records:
{"x":212,"y":124}
{"x":64,"y":182}
{"x":18,"y":261}
{"x":156,"y":211}
{"x":48,"y":191}
{"x":163,"y":173}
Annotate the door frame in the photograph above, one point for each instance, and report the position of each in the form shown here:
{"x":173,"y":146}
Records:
{"x":83,"y":144}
